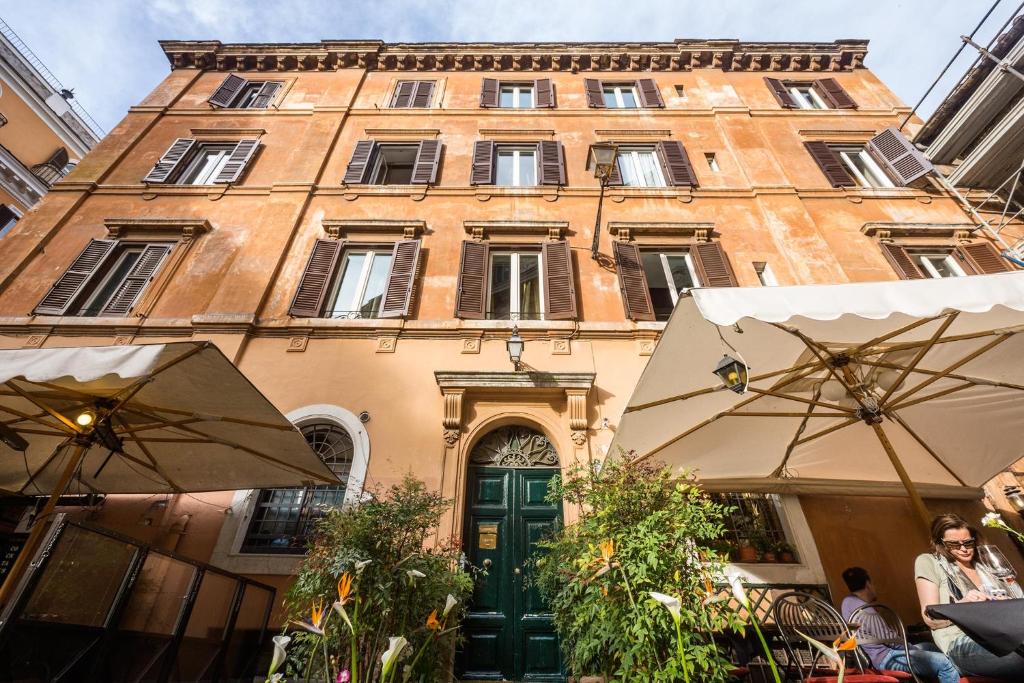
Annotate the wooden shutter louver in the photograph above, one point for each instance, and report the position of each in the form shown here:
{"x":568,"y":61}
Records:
{"x":552,"y":163}
{"x":781,"y":92}
{"x":226,"y":92}
{"x":135,"y":282}
{"x":398,"y":289}
{"x":489,"y":92}
{"x":423,"y":95}
{"x":636,"y":299}
{"x":984,"y":258}
{"x":675,"y":161}
{"x":483,"y":163}
{"x":544,"y":93}
{"x":237,"y":161}
{"x":834,"y":94}
{"x":713,"y":268}
{"x":312,"y":291}
{"x":403,"y":94}
{"x":471,"y":294}
{"x":70,"y":284}
{"x":595,"y":94}
{"x":899,"y":158}
{"x":169,"y":162}
{"x":650,"y":95}
{"x":58,"y":159}
{"x":265,"y":97}
{"x":829,"y":163}
{"x":559,"y":283}
{"x":359,"y":164}
{"x":901,"y":262}
{"x":428,"y":160}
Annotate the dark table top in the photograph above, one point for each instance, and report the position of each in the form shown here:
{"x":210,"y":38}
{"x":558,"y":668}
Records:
{"x":998,"y":625}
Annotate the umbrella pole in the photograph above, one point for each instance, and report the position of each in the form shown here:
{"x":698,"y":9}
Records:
{"x":915,"y":497}
{"x":35,"y":537}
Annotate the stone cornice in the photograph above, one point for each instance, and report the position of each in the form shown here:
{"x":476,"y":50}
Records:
{"x":154,"y":228}
{"x":513,"y":380}
{"x":484,"y":229}
{"x":888,"y":230}
{"x":343,"y":227}
{"x":679,"y":55}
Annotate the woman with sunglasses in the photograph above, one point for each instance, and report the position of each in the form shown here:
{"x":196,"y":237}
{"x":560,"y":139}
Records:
{"x":951,"y":573}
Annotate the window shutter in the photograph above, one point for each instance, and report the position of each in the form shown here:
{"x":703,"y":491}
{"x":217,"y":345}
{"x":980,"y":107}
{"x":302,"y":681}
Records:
{"x":169,"y":162}
{"x":403,"y":94}
{"x":239,"y":159}
{"x":900,"y":159}
{"x":312,"y":291}
{"x":829,"y":164}
{"x":489,"y":92}
{"x":58,"y":159}
{"x":712,"y":265}
{"x":595,"y":96}
{"x":559,"y":284}
{"x":544,"y":93}
{"x":983,"y":257}
{"x":471,"y":294}
{"x":424,"y":93}
{"x":226,"y":92}
{"x":650,"y":95}
{"x":70,"y":284}
{"x":833,"y":93}
{"x":428,"y":160}
{"x":632,"y":281}
{"x":266,"y":95}
{"x":136,"y":280}
{"x":401,"y":279}
{"x":552,"y":163}
{"x":483,"y":163}
{"x":901,"y":262}
{"x":781,"y":93}
{"x":359,"y":164}
{"x":678,"y":169}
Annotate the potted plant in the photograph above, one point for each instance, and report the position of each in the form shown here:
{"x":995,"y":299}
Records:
{"x":764,"y":546}
{"x":784,"y":551}
{"x":746,"y":552}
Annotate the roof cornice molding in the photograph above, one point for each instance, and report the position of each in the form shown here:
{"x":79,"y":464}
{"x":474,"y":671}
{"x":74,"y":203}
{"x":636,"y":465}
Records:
{"x":680,"y":55}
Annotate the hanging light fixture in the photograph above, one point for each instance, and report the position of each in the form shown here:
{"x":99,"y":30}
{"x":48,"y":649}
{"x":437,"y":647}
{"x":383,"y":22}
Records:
{"x":514,"y":345}
{"x":86,"y":418}
{"x":733,"y":374}
{"x":1015,"y":498}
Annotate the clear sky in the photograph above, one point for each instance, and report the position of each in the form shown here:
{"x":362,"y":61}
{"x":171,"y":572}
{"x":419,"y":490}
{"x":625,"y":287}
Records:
{"x":107,"y":51}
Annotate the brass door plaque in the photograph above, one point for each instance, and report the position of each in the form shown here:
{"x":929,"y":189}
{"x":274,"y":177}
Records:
{"x":488,"y":539}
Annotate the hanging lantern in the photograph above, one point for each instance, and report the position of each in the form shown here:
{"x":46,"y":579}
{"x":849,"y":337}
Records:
{"x":733,"y":374}
{"x":514,"y":345}
{"x":1014,"y":497}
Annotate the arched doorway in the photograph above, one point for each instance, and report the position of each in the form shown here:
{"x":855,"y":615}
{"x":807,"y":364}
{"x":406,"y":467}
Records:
{"x":509,"y":634}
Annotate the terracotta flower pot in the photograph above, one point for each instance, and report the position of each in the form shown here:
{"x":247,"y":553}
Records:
{"x":747,"y":553}
{"x":768,"y":556}
{"x":787,"y":558}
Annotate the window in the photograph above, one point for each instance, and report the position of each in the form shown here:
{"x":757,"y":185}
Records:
{"x":205,"y":163}
{"x":620,"y":96}
{"x":681,"y":92}
{"x":668,"y":274}
{"x":858,"y":163}
{"x":516,"y":166}
{"x":362,"y":278}
{"x":256,"y":95}
{"x":937,"y":264}
{"x":394,"y":165}
{"x":640,"y":167}
{"x":712,"y":161}
{"x":284,"y":519}
{"x":515,"y":291}
{"x":516,"y":96}
{"x":805,"y":96}
{"x":755,"y":522}
{"x":765,"y":274}
{"x":8,"y":218}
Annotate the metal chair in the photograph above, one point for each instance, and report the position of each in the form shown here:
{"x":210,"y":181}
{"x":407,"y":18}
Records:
{"x":870,"y":632}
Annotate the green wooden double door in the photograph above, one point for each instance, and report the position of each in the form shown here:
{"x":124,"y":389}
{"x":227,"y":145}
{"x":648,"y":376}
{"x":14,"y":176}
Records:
{"x":509,"y":633}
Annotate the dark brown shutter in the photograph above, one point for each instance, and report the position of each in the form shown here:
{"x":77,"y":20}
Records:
{"x":403,"y":94}
{"x":829,"y":163}
{"x":483,"y":163}
{"x":678,"y":169}
{"x":544,"y":93}
{"x":833,"y":93}
{"x":136,"y":280}
{"x":359,"y":164}
{"x":401,"y":279}
{"x":595,"y":95}
{"x":423,"y":95}
{"x":225,"y":94}
{"x":428,"y":160}
{"x":58,"y":159}
{"x":983,"y":258}
{"x":489,"y":92}
{"x":781,"y":93}
{"x":70,"y":284}
{"x":650,"y":95}
{"x":552,"y":163}
{"x":712,"y":265}
{"x":316,"y":279}
{"x":237,"y":161}
{"x":265,"y":97}
{"x":169,"y":162}
{"x":899,"y":158}
{"x":471,"y":294}
{"x":559,"y":284}
{"x":901,"y":262}
{"x":632,"y":281}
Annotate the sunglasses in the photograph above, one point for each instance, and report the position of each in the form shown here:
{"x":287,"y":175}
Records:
{"x":963,"y":545}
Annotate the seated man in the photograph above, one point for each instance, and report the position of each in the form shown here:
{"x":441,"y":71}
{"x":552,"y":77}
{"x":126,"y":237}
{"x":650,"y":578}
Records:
{"x":926,"y":663}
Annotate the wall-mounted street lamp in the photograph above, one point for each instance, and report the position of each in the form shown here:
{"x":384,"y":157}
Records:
{"x":1015,"y":498}
{"x":601,"y":162}
{"x":515,"y":345}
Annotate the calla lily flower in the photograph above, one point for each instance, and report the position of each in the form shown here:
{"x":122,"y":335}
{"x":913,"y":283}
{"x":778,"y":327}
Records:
{"x":280,"y":653}
{"x":276,"y":678}
{"x":992,"y":519}
{"x":449,"y":603}
{"x":432,"y":621}
{"x":416,"y":574}
{"x":361,"y":565}
{"x":390,"y":656}
{"x":739,"y":592}
{"x":345,"y":588}
{"x":670,"y":603}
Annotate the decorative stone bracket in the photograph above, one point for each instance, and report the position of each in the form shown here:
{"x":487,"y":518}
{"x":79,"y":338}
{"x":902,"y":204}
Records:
{"x":179,"y":229}
{"x":342,"y":228}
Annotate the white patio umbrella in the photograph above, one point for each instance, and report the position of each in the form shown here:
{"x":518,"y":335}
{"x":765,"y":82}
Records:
{"x":857,"y":388}
{"x":157,"y":418}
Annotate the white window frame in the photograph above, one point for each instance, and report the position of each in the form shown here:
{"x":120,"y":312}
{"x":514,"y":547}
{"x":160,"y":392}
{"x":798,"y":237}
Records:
{"x":712,"y":160}
{"x":877,"y":180}
{"x":514,"y":302}
{"x":806,"y":96}
{"x":630,"y":155}
{"x":517,"y":154}
{"x":673,"y":290}
{"x":765,"y":274}
{"x":517,"y":90}
{"x":924,"y":260}
{"x":202,"y":157}
{"x":379,"y":163}
{"x":617,"y":90}
{"x":352,"y":311}
{"x":7,"y":227}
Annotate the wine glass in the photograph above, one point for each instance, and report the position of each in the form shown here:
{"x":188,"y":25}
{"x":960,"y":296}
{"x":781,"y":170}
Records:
{"x":1000,"y":567}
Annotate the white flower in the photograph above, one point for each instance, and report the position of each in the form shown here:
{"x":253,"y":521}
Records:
{"x":280,"y":653}
{"x":276,"y":678}
{"x":416,"y":574}
{"x":449,"y":603}
{"x":670,"y":603}
{"x":993,"y":519}
{"x":361,"y":565}
{"x":739,"y":592}
{"x":390,"y":656}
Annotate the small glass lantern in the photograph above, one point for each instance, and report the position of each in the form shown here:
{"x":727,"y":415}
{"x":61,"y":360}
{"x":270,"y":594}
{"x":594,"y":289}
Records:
{"x":515,"y":345}
{"x":733,"y":374}
{"x":601,"y":159}
{"x":1015,"y":498}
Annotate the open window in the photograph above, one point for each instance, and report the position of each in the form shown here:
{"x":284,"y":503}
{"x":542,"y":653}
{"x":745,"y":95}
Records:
{"x":822,"y":93}
{"x":236,"y":92}
{"x":526,"y":164}
{"x":916,"y":260}
{"x":189,"y":162}
{"x":387,"y":163}
{"x":886,"y":160}
{"x":641,"y":93}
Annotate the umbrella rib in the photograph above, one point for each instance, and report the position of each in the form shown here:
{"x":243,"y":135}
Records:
{"x":159,"y":470}
{"x":980,"y":381}
{"x":811,"y":402}
{"x":796,"y":435}
{"x":30,"y":418}
{"x":207,"y":418}
{"x":127,"y":430}
{"x":920,"y":441}
{"x":929,"y":397}
{"x":767,"y":414}
{"x":827,"y":431}
{"x":919,"y":356}
{"x":32,"y":475}
{"x":43,"y":406}
{"x":906,"y":346}
{"x":818,"y":350}
{"x":963,"y":361}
